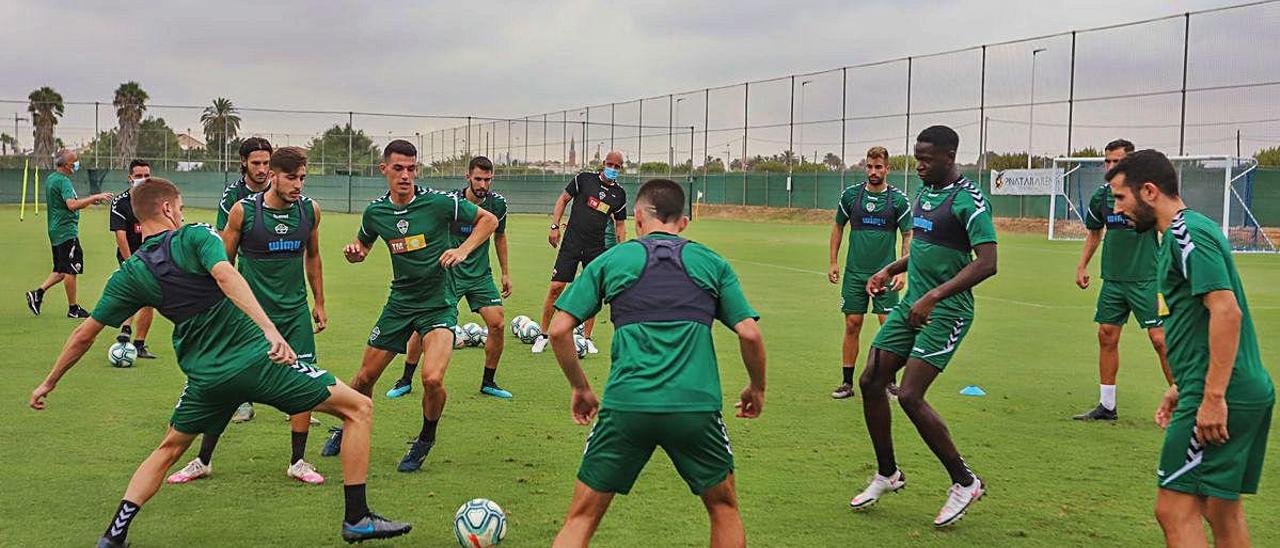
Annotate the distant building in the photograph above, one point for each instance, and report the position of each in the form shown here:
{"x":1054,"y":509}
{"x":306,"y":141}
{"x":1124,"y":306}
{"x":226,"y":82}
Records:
{"x":573,"y":153}
{"x":187,"y":142}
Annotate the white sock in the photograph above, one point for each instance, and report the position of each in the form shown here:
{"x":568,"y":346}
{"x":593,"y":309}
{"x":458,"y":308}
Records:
{"x":1107,"y":396}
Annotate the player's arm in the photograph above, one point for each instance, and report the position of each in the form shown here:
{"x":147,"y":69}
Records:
{"x":880,"y":281}
{"x":231,"y":234}
{"x":905,"y":225}
{"x":236,"y":289}
{"x":76,"y":204}
{"x":122,"y":243}
{"x":557,"y":213}
{"x":315,"y":273}
{"x":358,"y":249}
{"x":80,"y":341}
{"x":982,"y":267}
{"x":500,"y":247}
{"x":1224,"y":340}
{"x":485,"y":224}
{"x":833,"y":252}
{"x":1092,"y":240}
{"x":751,"y":344}
{"x":584,"y":404}
{"x":620,"y":230}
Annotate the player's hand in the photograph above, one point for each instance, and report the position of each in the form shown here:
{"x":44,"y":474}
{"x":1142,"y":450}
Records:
{"x":1211,"y":421}
{"x":319,"y":317}
{"x":102,"y":197}
{"x":37,"y":395}
{"x":280,"y":351}
{"x":554,"y":237}
{"x":920,"y":311}
{"x":833,"y":274}
{"x":584,"y":405}
{"x":1082,"y":277}
{"x":899,"y":282}
{"x":1164,"y":411}
{"x":875,"y":285}
{"x":750,"y":403}
{"x":506,"y":286}
{"x":354,"y":253}
{"x":452,"y":257}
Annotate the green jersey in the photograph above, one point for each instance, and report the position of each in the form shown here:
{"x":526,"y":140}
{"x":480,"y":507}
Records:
{"x":212,"y":345}
{"x":232,"y":194}
{"x":610,"y":236}
{"x":417,"y":234}
{"x":1195,"y":259}
{"x":476,"y":267}
{"x":64,"y":224}
{"x":1127,"y":255}
{"x":874,"y":219}
{"x":659,"y":366}
{"x":949,"y":222}
{"x":273,"y":244}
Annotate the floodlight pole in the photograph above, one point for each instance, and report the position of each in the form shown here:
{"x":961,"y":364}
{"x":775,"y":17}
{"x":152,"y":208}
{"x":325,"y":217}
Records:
{"x":800,"y":142}
{"x":1031,"y":118}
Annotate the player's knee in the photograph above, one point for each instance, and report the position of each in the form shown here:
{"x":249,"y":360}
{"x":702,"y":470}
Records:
{"x":1157,"y":339}
{"x":852,"y":324}
{"x":495,"y":327}
{"x":556,"y":289}
{"x":1108,"y":335}
{"x":869,"y":381}
{"x":720,"y":498}
{"x":362,"y":408}
{"x":1169,"y":517}
{"x":432,"y":383}
{"x":910,"y":398}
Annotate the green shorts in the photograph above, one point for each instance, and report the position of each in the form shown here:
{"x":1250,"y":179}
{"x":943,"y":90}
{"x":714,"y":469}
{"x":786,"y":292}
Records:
{"x":854,"y":296}
{"x":396,"y":325}
{"x":1117,"y":299}
{"x":479,"y":293}
{"x":289,"y":388}
{"x":621,"y":443}
{"x":1222,"y":471}
{"x":296,"y":329}
{"x":934,"y":344}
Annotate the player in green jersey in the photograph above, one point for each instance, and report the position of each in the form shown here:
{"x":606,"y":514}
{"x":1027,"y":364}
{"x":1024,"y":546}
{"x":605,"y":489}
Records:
{"x":255,"y":176}
{"x":953,"y":249}
{"x":664,"y":295}
{"x":277,"y":235}
{"x":473,"y":279}
{"x":414,"y":222}
{"x":225,"y":345}
{"x":1217,"y":413}
{"x":1128,"y":285}
{"x":875,"y":212}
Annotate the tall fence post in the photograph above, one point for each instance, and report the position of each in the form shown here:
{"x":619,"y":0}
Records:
{"x":1071,"y":97}
{"x":1182,"y":119}
{"x":586,"y":137}
{"x":671,"y":128}
{"x":906,"y":147}
{"x":706,"y":135}
{"x":982,"y":114}
{"x":791,"y":136}
{"x":746,"y":112}
{"x":844,"y":121}
{"x":612,"y":107}
{"x":350,"y":156}
{"x":640,"y":139}
{"x":97,"y":153}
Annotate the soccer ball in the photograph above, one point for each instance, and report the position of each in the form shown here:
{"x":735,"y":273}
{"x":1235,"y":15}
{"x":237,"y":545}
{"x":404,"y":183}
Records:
{"x":518,"y":322}
{"x":581,"y":330}
{"x":529,"y":332}
{"x":122,"y":354}
{"x":480,"y":523}
{"x":580,"y":343}
{"x":459,"y":337}
{"x":476,"y":335}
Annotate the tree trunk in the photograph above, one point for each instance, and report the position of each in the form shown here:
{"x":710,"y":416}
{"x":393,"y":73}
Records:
{"x":43,"y":147}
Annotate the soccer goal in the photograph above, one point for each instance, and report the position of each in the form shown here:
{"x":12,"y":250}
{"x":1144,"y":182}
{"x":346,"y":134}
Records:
{"x":1220,"y":187}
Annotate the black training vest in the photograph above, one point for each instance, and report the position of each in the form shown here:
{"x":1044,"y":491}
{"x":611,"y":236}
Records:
{"x":664,"y":292}
{"x":885,"y":220}
{"x":280,"y":242}
{"x":183,"y":294}
{"x":940,"y":226}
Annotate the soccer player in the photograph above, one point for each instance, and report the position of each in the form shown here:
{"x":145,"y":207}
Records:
{"x":128,"y":232}
{"x":414,"y":222}
{"x":875,"y":212}
{"x":276,"y":233}
{"x":255,"y":160}
{"x":597,"y":198}
{"x":63,"y":208}
{"x":473,"y":279}
{"x":1128,"y":285}
{"x":665,"y":292}
{"x":1217,"y":413}
{"x":226,"y":346}
{"x":953,"y":248}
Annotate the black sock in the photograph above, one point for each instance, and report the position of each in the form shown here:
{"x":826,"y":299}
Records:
{"x":39,"y":293}
{"x":126,"y":330}
{"x":488,"y":376}
{"x":959,"y":472}
{"x":357,"y":506}
{"x":118,"y":529}
{"x":409,"y":368}
{"x":207,"y":446}
{"x":428,"y":433}
{"x":139,"y":343}
{"x":299,"y":445}
{"x":848,"y":374}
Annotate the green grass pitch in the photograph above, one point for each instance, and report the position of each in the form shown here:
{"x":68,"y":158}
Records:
{"x":1053,"y":482}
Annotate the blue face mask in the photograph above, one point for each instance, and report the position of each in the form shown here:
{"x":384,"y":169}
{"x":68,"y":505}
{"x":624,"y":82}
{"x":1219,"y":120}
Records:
{"x":75,"y":166}
{"x":612,"y":173}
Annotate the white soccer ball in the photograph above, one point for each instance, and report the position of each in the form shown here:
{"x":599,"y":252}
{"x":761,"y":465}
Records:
{"x":530,"y":332}
{"x":580,"y":343}
{"x":518,"y":322}
{"x":480,"y":523}
{"x":476,"y":335}
{"x":459,"y":337}
{"x":581,"y":330}
{"x":122,"y":354}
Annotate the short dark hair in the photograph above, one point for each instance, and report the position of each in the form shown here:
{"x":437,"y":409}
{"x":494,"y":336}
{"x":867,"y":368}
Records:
{"x":664,"y":197}
{"x":480,"y":162}
{"x":1147,"y":166}
{"x":942,"y":137}
{"x":137,"y":163}
{"x":878,"y":153}
{"x":147,"y":197}
{"x":1119,"y":143}
{"x":254,"y":144}
{"x":288,"y":159}
{"x":399,"y":146}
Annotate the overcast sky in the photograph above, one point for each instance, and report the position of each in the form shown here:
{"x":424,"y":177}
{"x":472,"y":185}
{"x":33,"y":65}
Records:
{"x":490,"y":58}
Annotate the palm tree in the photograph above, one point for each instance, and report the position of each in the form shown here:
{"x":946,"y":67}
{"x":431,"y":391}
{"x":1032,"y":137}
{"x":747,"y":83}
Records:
{"x":45,"y":105}
{"x":221,"y":122}
{"x":6,"y":142}
{"x":130,"y":101}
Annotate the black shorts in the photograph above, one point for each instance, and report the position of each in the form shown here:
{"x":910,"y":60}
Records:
{"x":68,"y":257}
{"x":570,"y":255}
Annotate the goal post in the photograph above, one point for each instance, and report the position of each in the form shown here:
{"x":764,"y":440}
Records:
{"x":1219,"y":186}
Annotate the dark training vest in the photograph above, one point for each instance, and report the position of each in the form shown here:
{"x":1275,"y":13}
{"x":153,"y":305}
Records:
{"x":885,"y":220}
{"x":664,"y":292}
{"x":183,"y":294}
{"x":940,"y":226}
{"x":261,"y":243}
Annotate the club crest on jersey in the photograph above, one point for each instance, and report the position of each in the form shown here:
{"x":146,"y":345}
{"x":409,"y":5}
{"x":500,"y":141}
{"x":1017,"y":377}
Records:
{"x":403,"y":226}
{"x":282,"y":229}
{"x":870,"y":206}
{"x":373,"y":335}
{"x":927,"y":206}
